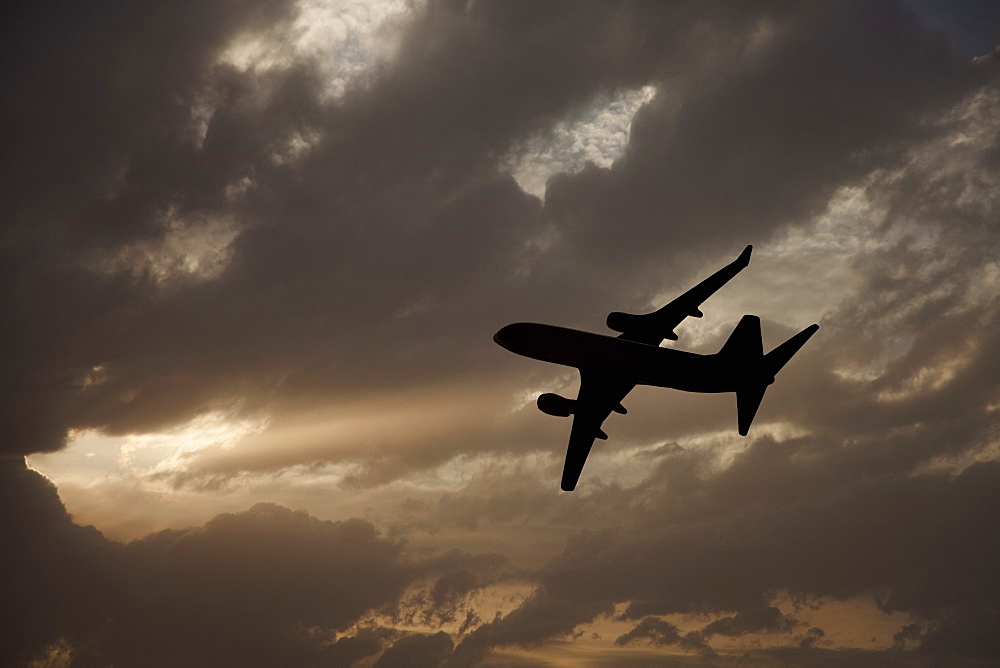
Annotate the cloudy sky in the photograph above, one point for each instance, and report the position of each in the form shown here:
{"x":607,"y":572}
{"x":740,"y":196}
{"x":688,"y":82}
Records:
{"x":253,"y":255}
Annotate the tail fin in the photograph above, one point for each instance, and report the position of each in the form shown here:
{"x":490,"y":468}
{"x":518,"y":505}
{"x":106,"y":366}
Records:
{"x":747,"y":403}
{"x":759,"y":376}
{"x":744,"y":343}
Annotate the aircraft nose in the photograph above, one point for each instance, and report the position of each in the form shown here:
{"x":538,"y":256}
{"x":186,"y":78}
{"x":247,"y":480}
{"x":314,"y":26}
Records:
{"x":505,"y":336}
{"x":514,"y":337}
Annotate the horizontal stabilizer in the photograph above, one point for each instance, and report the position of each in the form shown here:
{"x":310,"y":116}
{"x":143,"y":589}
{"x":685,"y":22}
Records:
{"x":601,"y":435}
{"x":778,"y":357}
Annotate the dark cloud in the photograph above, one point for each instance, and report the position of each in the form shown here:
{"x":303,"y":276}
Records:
{"x":540,"y":618}
{"x":99,"y":136}
{"x":417,"y":650}
{"x":397,"y":231}
{"x":909,"y":633}
{"x":837,"y":91}
{"x":184,"y":235}
{"x":811,"y":637}
{"x":866,"y":505}
{"x":972,"y":634}
{"x":657,"y":631}
{"x":366,"y":642}
{"x":396,"y":226}
{"x":58,"y":580}
{"x":762,"y":620}
{"x":249,"y":584}
{"x":970,"y":25}
{"x":266,"y":586}
{"x":927,"y":540}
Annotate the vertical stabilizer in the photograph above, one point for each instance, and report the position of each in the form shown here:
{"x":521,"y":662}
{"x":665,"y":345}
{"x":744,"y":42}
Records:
{"x":744,"y":343}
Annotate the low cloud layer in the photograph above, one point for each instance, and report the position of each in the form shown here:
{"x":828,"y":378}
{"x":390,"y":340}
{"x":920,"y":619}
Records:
{"x":262,"y":587}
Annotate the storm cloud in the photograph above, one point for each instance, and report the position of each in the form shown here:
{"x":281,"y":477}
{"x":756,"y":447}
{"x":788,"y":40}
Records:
{"x":210,"y":213}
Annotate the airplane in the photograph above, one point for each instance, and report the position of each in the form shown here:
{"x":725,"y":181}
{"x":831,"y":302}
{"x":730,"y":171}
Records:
{"x":611,"y":367}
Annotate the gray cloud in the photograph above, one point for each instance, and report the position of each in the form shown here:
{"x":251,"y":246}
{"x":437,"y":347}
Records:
{"x":399,"y":207}
{"x":892,"y":495}
{"x":417,"y":650}
{"x":59,"y":578}
{"x":833,"y":94}
{"x":182,"y":235}
{"x":655,"y":630}
{"x":926,"y":541}
{"x":265,"y":586}
{"x":763,"y":620}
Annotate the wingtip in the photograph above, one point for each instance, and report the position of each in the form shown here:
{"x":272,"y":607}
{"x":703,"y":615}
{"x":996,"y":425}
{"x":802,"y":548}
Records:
{"x":744,"y":258}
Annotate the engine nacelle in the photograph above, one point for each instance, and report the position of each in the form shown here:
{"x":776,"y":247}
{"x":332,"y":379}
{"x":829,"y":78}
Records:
{"x":621,"y":322}
{"x":553,"y":404}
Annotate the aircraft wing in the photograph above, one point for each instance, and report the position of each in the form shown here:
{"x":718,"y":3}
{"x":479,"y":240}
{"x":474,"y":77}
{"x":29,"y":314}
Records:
{"x":600,"y":394}
{"x":653,"y":328}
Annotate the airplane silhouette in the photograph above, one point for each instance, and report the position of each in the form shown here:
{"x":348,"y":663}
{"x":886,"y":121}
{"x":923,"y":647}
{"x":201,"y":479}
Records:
{"x":610,"y":367}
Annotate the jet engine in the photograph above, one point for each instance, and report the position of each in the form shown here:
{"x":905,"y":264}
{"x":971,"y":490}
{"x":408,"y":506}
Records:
{"x":553,"y":404}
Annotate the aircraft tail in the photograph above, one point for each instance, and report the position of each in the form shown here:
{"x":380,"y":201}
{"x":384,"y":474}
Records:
{"x":778,"y":357}
{"x":758,"y":370}
{"x":745,"y":342}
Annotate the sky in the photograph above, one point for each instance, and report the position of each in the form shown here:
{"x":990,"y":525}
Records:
{"x":253,"y":255}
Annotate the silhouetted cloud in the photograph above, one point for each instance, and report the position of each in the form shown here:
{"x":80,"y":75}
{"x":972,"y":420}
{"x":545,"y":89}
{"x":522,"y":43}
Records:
{"x":423,"y":650}
{"x":653,"y":629}
{"x":811,"y":637}
{"x":57,"y":579}
{"x":266,"y":586}
{"x":763,"y":620}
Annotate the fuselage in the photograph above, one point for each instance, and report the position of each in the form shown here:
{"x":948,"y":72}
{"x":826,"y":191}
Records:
{"x":637,"y":363}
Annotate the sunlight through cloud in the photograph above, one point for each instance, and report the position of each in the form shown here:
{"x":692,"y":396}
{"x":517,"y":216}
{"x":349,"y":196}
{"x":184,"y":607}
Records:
{"x":598,"y":134}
